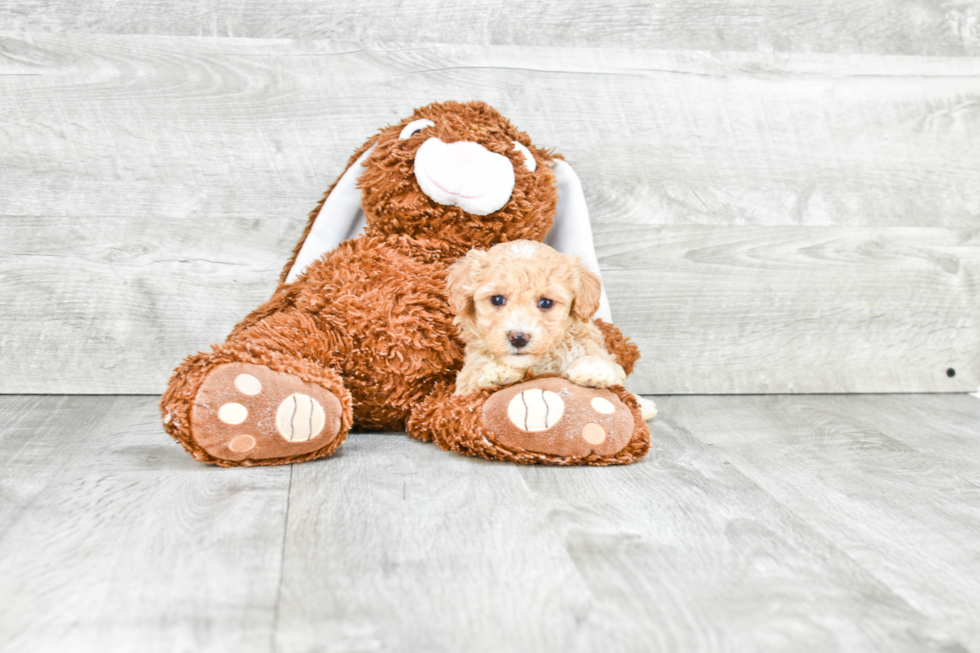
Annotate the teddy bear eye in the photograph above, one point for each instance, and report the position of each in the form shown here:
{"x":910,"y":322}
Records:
{"x":414,"y":127}
{"x":498,"y":300}
{"x":529,"y":161}
{"x":545,"y":304}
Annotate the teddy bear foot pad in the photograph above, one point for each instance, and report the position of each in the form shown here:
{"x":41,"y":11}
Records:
{"x":556,"y":417}
{"x":245,"y":412}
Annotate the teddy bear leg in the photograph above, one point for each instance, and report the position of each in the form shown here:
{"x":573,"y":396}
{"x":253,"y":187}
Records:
{"x":251,"y":401}
{"x":548,"y":420}
{"x":621,"y":347}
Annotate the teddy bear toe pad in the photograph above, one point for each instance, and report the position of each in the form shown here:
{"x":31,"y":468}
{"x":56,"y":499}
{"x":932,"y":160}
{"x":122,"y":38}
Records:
{"x":249,"y":412}
{"x":556,"y":417}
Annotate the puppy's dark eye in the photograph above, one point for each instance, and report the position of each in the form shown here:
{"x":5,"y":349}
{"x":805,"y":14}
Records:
{"x":545,"y":304}
{"x":498,"y":300}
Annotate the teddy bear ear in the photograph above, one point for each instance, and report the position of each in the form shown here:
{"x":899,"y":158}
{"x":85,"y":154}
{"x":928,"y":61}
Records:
{"x":571,"y":232}
{"x":340,"y":218}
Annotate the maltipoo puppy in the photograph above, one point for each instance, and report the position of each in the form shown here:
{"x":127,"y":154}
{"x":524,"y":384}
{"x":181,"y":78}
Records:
{"x":524,"y":306}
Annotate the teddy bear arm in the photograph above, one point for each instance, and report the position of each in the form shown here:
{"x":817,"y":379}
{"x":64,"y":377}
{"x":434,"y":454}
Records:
{"x":620,"y":346}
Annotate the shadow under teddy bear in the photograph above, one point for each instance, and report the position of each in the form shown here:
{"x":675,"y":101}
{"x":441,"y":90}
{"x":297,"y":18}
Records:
{"x":359,"y":331}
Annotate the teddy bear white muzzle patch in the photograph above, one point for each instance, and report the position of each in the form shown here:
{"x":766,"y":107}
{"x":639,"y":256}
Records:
{"x":464,"y":174}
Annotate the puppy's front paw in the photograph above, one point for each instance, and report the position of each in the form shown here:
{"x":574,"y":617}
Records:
{"x":496,"y":375}
{"x":593,"y":372}
{"x":647,"y":408}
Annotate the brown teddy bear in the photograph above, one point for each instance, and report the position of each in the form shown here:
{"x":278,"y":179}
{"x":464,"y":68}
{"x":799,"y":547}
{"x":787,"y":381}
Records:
{"x":359,"y":330}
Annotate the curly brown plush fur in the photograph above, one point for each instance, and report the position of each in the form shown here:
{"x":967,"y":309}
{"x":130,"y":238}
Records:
{"x":369,"y":321}
{"x":455,"y":423}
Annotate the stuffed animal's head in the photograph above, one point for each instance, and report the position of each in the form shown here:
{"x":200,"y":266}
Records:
{"x":460,"y":173}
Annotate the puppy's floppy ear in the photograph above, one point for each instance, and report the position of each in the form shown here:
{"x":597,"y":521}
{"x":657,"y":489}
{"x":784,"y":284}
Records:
{"x":589,"y":294}
{"x":461,"y":280}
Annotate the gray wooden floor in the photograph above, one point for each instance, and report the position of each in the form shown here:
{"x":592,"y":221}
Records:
{"x":757,"y":523}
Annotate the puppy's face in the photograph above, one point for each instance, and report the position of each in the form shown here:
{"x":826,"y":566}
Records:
{"x":518,"y":299}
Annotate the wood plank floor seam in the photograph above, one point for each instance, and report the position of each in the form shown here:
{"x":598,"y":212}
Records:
{"x":802,"y":523}
{"x":883,"y":505}
{"x":885,"y":582}
{"x":273,"y":641}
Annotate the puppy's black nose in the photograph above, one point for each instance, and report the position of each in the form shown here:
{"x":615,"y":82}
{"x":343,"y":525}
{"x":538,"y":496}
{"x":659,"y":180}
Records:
{"x":518,"y":339}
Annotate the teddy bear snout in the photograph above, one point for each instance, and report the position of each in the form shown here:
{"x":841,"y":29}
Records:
{"x":466,"y":153}
{"x":464,"y":174}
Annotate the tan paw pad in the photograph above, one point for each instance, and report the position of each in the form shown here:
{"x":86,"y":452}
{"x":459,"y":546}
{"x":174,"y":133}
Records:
{"x":233,"y":413}
{"x":299,"y":418}
{"x":593,"y":433}
{"x":242,"y":443}
{"x":250,"y":412}
{"x":248,"y":384}
{"x":535,"y":410}
{"x":603,"y":406}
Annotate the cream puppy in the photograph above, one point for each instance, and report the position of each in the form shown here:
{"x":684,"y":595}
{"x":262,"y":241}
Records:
{"x":522,"y":306}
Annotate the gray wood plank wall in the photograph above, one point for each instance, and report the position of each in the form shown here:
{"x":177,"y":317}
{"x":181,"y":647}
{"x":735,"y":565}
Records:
{"x":923,"y":27}
{"x":794,"y":211}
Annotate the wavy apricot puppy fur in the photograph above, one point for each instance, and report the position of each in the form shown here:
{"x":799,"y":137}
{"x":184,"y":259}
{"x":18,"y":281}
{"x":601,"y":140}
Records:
{"x":523,"y":308}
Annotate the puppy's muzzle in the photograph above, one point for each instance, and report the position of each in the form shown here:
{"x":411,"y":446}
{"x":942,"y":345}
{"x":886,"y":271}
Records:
{"x":518,"y":339}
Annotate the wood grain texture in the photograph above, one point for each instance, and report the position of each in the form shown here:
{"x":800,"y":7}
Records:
{"x":910,"y":421}
{"x":683,"y":552}
{"x":796,"y":309}
{"x":105,"y":125}
{"x":399,"y":546}
{"x":113,"y":539}
{"x":713,"y":309}
{"x":119,"y":309}
{"x":679,"y":552}
{"x":756,"y":523}
{"x":869,"y":26}
{"x":834,"y":462}
{"x":151,"y":187}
